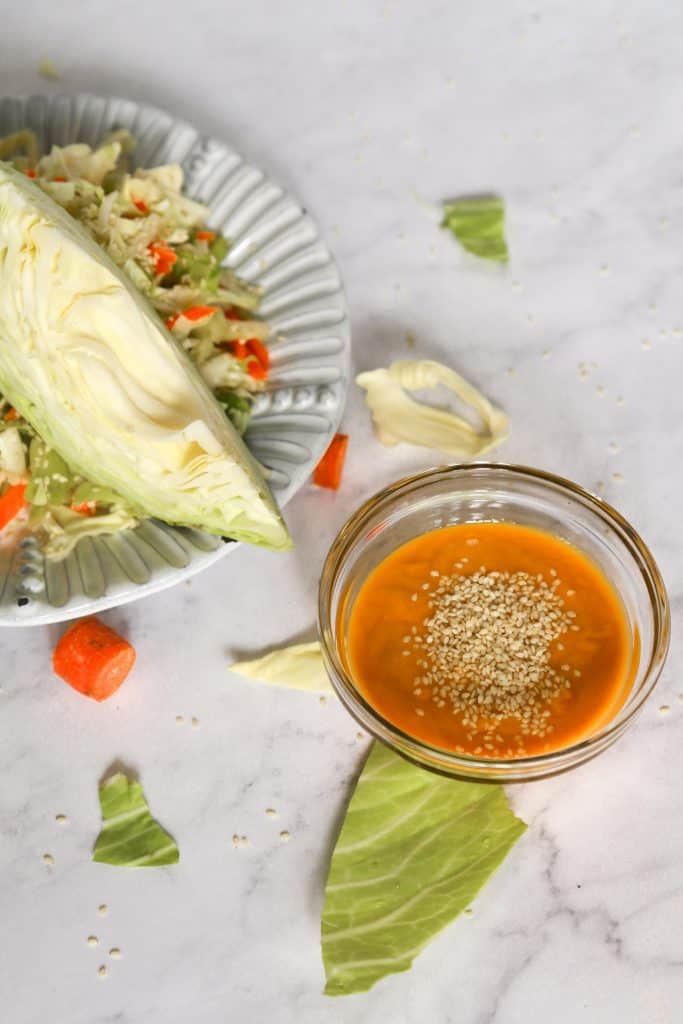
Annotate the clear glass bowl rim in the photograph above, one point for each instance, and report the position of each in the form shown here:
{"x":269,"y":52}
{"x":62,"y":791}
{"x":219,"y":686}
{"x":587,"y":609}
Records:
{"x":447,"y":762}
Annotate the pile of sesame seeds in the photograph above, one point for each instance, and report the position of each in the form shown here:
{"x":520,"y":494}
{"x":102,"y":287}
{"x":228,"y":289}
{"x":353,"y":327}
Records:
{"x":485,"y":650}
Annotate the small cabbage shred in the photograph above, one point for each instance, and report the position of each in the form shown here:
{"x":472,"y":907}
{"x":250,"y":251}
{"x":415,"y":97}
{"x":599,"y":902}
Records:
{"x":159,"y":238}
{"x":130,"y":836}
{"x":478,"y":223}
{"x":297,"y":667}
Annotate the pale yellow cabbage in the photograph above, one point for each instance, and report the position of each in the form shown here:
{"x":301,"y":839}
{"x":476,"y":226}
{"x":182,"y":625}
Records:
{"x":398,"y":417}
{"x":298,"y":667}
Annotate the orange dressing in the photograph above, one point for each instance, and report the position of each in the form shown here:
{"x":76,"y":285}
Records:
{"x":469,"y":686}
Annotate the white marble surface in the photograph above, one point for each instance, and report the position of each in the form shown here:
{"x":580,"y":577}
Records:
{"x":572,"y":112}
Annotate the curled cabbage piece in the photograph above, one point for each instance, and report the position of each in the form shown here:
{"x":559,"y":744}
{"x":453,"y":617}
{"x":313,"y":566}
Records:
{"x":399,"y":417}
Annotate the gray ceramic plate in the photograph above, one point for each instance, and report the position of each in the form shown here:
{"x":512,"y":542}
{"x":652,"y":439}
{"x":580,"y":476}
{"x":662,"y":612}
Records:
{"x":276,"y":244}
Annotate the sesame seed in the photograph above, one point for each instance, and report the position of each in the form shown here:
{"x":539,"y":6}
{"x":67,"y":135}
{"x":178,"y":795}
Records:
{"x":103,"y":909}
{"x":489,"y":637}
{"x":102,"y":971}
{"x":664,"y":709}
{"x":115,"y":953}
{"x":285,"y":836}
{"x":271,"y":812}
{"x":48,"y":859}
{"x":61,"y":819}
{"x":93,"y":941}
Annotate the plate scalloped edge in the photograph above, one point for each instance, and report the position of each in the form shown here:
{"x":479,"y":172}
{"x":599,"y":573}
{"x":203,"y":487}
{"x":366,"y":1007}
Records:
{"x":274,"y":243}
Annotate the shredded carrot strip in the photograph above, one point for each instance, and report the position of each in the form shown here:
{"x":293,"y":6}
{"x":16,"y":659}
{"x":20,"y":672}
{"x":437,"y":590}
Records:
{"x":163,"y":257}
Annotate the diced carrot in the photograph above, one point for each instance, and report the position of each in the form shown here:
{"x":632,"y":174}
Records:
{"x":205,"y":236}
{"x":171,"y":321}
{"x":198,"y":312}
{"x":255,"y":370}
{"x":11,"y":503}
{"x":140,"y":205}
{"x":10,"y":415}
{"x":328,"y":472}
{"x":163,"y":257}
{"x":59,"y":178}
{"x":30,"y":173}
{"x":238,"y":349}
{"x":258,"y":349}
{"x":85,"y":508}
{"x":93,"y":659}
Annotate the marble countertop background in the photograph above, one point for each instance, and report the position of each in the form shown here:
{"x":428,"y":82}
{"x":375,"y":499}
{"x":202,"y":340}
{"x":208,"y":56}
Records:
{"x":573,"y":113}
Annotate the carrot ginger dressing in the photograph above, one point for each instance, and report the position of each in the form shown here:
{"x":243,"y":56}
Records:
{"x":491,"y":639}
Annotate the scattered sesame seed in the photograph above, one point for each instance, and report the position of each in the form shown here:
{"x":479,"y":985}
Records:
{"x":420,"y":712}
{"x":271,"y":812}
{"x":93,"y":941}
{"x":322,"y":700}
{"x":680,"y":698}
{"x":285,"y":836}
{"x":618,"y":478}
{"x":664,"y":709}
{"x":115,"y":953}
{"x":620,"y":399}
{"x":360,"y":737}
{"x":646,"y":343}
{"x":546,"y":353}
{"x":600,"y":391}
{"x":102,"y":971}
{"x":48,"y":859}
{"x":239,"y":841}
{"x":604,"y":270}
{"x":179,"y":719}
{"x":103,"y":909}
{"x":195,"y":723}
{"x":61,"y":819}
{"x":613,"y":448}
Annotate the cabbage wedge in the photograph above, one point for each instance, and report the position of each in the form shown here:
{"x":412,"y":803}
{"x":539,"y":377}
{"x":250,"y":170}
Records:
{"x":85,"y":359}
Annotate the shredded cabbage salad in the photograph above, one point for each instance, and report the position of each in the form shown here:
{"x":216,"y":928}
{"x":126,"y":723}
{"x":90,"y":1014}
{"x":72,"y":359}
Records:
{"x":159,"y":238}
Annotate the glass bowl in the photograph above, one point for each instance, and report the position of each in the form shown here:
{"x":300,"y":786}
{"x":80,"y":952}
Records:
{"x":487,"y":492}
